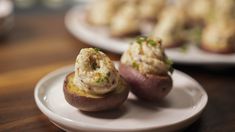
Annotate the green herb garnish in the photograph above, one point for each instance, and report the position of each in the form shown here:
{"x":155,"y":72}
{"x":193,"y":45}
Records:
{"x":141,"y":39}
{"x":135,"y":65}
{"x":169,"y":63}
{"x":102,"y":79}
{"x":197,"y":33}
{"x":151,"y":42}
{"x":99,"y":80}
{"x":96,"y":49}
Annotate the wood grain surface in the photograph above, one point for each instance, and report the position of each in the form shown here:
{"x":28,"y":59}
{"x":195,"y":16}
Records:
{"x":39,"y":44}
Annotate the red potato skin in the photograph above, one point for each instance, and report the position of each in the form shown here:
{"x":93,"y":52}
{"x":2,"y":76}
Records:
{"x":228,"y":50}
{"x":89,"y":104}
{"x":148,"y":87}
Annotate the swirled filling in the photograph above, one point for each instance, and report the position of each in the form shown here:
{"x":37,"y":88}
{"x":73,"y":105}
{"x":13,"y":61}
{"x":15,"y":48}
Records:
{"x":95,"y":72}
{"x":147,"y":56}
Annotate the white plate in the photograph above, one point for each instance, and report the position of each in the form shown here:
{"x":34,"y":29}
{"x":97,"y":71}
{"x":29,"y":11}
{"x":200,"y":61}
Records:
{"x":179,"y":109}
{"x":99,"y":37}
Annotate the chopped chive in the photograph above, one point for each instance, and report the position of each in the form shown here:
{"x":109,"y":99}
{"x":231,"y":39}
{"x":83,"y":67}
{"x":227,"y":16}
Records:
{"x":197,"y":33}
{"x":96,"y":49}
{"x":98,"y":80}
{"x":169,"y":63}
{"x":151,"y":42}
{"x":141,"y":39}
{"x":135,"y":65}
{"x":106,"y":78}
{"x":102,"y":79}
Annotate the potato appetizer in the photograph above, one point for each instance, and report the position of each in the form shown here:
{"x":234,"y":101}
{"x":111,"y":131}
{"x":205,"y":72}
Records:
{"x":147,"y":69}
{"x":95,"y":85}
{"x":201,"y":11}
{"x":171,"y":27}
{"x":150,"y":9}
{"x":219,"y":37}
{"x":126,"y":22}
{"x":101,"y":12}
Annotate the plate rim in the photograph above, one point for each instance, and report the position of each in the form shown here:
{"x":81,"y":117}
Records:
{"x":82,"y":126}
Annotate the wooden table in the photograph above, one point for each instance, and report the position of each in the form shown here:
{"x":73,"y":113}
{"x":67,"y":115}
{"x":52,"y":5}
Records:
{"x":39,"y":44}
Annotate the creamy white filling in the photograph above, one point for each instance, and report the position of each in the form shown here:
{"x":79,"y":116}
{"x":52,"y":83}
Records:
{"x":146,"y":58}
{"x":95,"y":72}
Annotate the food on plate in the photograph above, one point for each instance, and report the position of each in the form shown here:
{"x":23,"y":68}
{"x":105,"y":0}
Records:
{"x":101,"y":12}
{"x":147,"y":69}
{"x":219,"y":34}
{"x":95,"y":85}
{"x":124,"y":18}
{"x":225,"y":9}
{"x":208,"y":24}
{"x":171,"y":27}
{"x":200,"y":11}
{"x":126,"y":22}
{"x":219,"y":37}
{"x":150,"y":9}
